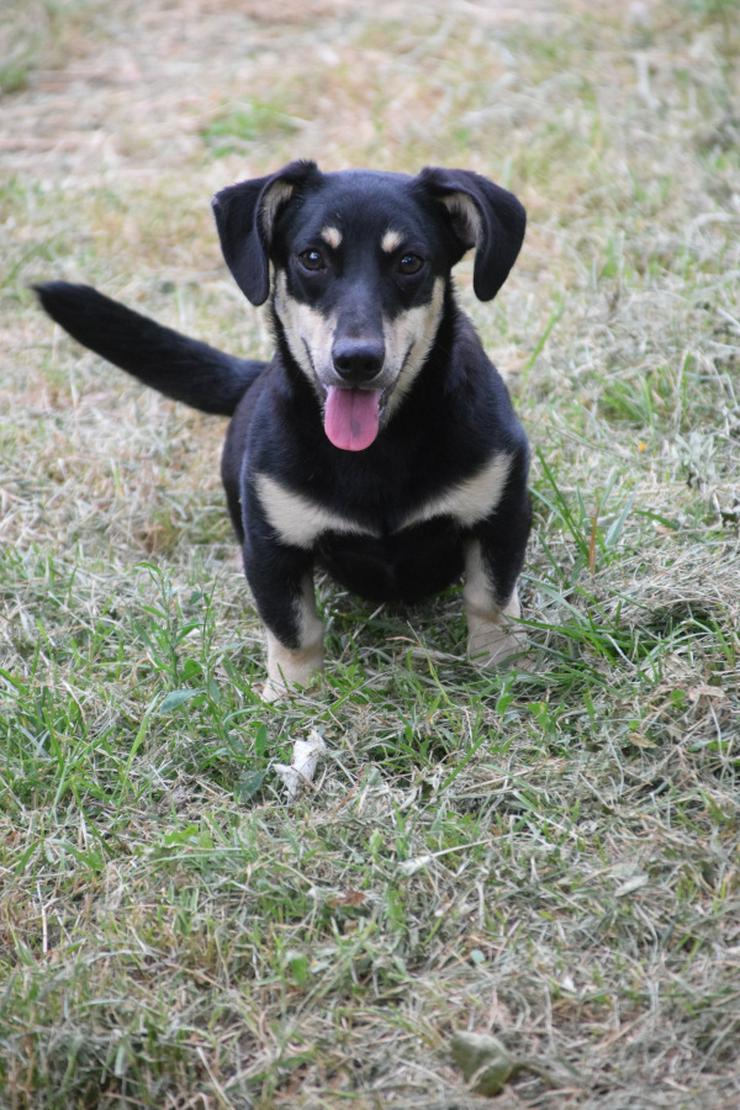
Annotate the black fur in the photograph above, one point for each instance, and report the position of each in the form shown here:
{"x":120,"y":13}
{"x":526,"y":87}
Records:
{"x":455,"y":417}
{"x":181,"y":368}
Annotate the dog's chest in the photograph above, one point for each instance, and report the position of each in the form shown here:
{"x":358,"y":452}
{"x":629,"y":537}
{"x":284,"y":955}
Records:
{"x":300,"y":520}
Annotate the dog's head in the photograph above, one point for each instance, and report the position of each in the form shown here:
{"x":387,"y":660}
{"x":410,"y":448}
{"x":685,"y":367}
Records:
{"x":361,"y":263}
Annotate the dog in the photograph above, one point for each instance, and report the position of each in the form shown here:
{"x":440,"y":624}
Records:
{"x":380,"y":442}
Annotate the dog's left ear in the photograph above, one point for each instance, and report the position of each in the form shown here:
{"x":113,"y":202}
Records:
{"x":245,"y":214}
{"x":483,"y":216}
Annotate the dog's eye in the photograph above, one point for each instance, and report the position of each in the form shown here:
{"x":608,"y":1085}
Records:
{"x":312,"y":260}
{"x":410,"y":264}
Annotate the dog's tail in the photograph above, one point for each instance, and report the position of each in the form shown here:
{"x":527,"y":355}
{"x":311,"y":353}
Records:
{"x":181,"y":368}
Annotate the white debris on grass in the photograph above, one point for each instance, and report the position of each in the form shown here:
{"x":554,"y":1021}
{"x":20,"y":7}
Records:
{"x":302,"y":768}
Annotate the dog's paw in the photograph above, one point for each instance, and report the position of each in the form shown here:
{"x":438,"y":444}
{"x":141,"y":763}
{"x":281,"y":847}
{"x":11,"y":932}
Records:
{"x":288,"y":671}
{"x":277,"y":689}
{"x":274,"y":691}
{"x":493,"y":645}
{"x":495,"y":639}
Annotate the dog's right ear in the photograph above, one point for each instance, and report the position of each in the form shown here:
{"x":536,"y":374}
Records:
{"x":484,"y":216}
{"x":245,"y":214}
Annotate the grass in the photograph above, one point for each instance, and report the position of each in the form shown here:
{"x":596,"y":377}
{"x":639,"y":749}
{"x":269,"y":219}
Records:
{"x":546,"y":856}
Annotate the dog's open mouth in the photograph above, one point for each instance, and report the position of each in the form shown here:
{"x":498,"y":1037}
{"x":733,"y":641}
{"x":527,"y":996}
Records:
{"x":352,"y":417}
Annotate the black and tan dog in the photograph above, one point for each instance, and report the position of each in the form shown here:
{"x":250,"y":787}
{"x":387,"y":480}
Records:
{"x":380,"y":441}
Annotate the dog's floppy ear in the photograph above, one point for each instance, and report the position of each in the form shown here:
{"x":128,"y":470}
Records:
{"x":245,"y":214}
{"x":484,"y":216}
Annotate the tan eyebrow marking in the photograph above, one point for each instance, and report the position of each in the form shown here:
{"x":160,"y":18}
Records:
{"x":332,"y":236}
{"x":391,"y":240}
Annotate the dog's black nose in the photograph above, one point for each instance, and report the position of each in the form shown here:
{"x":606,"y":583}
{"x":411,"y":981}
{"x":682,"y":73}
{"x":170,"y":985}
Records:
{"x":358,"y":360}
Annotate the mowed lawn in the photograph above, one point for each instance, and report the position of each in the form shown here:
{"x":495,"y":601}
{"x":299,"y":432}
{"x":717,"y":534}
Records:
{"x":546,"y":857}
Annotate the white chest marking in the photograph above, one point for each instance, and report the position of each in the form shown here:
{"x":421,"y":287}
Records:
{"x":469,"y":501}
{"x":297,"y":519}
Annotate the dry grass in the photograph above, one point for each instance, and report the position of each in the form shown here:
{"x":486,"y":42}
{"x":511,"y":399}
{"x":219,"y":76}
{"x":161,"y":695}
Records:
{"x":549,"y":857}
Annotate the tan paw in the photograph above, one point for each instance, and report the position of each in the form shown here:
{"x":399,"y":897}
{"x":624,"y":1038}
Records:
{"x":494,"y":646}
{"x":274,"y":691}
{"x":288,"y":671}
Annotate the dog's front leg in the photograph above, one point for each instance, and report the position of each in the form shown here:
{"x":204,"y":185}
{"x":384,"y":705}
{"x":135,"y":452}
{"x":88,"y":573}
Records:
{"x":493,"y":560}
{"x":281,"y":579}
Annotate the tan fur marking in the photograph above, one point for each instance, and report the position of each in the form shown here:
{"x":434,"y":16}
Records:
{"x":471,"y":500}
{"x":413,"y":332}
{"x":291,"y":667}
{"x":275,"y":196}
{"x":492,"y":636}
{"x":332,"y":236}
{"x":391,"y":241}
{"x":288,"y":669}
{"x":298,"y":520}
{"x":461,"y":206}
{"x":304,"y":325}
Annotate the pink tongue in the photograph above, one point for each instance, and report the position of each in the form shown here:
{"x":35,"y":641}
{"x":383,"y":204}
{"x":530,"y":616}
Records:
{"x":351,"y":417}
